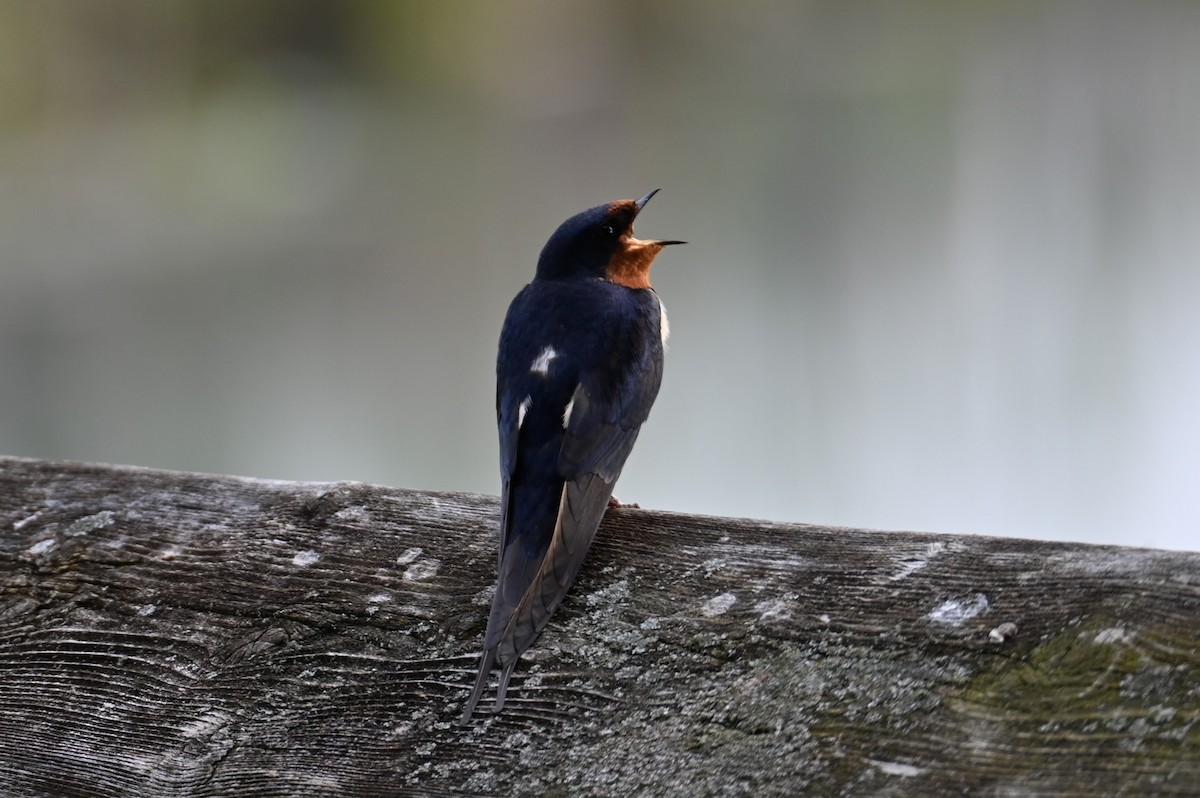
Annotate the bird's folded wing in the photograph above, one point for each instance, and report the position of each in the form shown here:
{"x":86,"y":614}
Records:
{"x":602,"y":420}
{"x":583,"y":504}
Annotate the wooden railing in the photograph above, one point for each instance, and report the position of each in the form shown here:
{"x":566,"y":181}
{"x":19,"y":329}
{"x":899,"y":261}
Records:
{"x":173,"y":634}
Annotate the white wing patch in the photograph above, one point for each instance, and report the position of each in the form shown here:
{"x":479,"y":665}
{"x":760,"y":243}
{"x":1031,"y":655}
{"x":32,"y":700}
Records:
{"x":567,"y":412}
{"x":664,"y":326}
{"x":541,"y":363}
{"x":522,"y":409}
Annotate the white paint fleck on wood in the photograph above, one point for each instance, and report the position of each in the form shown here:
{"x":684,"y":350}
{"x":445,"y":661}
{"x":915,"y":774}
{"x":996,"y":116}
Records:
{"x":18,"y":524}
{"x":1113,"y":634}
{"x":956,"y":611}
{"x":897,"y":768}
{"x":90,"y":523}
{"x":911,"y":565}
{"x":422,"y":569}
{"x":776,"y":609}
{"x":304,"y":559}
{"x":42,"y":546}
{"x":409,"y":555}
{"x":718,"y":605}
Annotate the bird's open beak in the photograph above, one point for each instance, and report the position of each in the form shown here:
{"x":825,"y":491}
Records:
{"x":641,"y":204}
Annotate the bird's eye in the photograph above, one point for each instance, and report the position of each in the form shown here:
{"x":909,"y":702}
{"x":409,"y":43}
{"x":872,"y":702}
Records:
{"x":609,"y":230}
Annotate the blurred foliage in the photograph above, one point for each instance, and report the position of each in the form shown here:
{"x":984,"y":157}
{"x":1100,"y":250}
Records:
{"x":942,"y":270}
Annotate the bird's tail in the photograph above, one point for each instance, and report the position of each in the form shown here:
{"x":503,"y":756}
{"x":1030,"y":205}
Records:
{"x":502,"y":689}
{"x":582,"y":506}
{"x":485,"y":670}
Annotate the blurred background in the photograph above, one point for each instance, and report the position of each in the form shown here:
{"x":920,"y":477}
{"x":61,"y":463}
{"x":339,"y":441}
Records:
{"x":943,"y":270}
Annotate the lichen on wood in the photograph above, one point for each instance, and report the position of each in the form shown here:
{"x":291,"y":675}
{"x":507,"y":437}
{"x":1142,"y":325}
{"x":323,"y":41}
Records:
{"x":169,"y":634}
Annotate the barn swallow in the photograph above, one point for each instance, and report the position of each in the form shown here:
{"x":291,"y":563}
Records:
{"x":580,"y":363}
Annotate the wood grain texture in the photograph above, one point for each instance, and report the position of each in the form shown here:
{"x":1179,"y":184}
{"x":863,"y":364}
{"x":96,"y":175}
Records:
{"x":169,"y":634}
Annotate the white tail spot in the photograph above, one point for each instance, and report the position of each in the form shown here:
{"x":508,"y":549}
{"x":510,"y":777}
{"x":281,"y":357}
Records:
{"x":541,"y":363}
{"x":526,"y":403}
{"x":567,"y":412}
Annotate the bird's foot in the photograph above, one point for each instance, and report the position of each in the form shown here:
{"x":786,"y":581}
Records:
{"x":613,"y":501}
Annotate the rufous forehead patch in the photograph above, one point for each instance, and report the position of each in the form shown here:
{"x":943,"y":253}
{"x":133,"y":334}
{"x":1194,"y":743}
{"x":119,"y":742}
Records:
{"x":620,"y":215}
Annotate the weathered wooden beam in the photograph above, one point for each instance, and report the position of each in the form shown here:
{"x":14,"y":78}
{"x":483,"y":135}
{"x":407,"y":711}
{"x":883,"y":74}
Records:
{"x":171,"y":634}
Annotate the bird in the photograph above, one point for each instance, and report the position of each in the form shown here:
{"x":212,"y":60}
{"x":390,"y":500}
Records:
{"x":578,"y":368}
